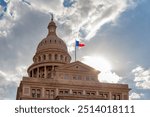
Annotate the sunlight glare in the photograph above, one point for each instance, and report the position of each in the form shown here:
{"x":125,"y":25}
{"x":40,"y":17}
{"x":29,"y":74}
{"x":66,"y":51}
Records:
{"x":104,"y":66}
{"x":97,"y":62}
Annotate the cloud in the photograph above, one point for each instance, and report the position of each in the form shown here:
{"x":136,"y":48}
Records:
{"x":79,"y":20}
{"x":136,"y":96}
{"x":10,"y":81}
{"x":138,"y":80}
{"x":104,"y":66}
{"x":9,"y":18}
{"x":142,"y":77}
{"x":7,"y":88}
{"x":24,"y":25}
{"x":55,"y":6}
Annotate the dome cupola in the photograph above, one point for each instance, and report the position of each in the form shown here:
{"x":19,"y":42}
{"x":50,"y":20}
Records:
{"x":52,"y":27}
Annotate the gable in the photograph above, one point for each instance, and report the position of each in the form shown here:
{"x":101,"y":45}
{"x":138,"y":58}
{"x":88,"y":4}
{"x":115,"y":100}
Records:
{"x":78,"y":66}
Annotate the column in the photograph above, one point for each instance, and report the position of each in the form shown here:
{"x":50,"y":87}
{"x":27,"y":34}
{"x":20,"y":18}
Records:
{"x":70,"y":91}
{"x":52,"y":57}
{"x":45,"y":72}
{"x":97,"y":94}
{"x":37,"y":72}
{"x":109,"y":96}
{"x":42,"y":92}
{"x":84,"y":92}
{"x":56,"y":92}
{"x":32,"y":73}
{"x":121,"y":96}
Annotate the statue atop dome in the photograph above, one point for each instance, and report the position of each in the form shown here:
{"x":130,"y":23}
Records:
{"x":52,"y":17}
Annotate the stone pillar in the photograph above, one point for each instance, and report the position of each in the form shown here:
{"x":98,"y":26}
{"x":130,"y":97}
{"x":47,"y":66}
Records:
{"x":97,"y":93}
{"x":70,"y":91}
{"x":43,"y":93}
{"x":52,"y":57}
{"x":45,"y":72}
{"x":32,"y":73}
{"x":84,"y":92}
{"x":57,"y":92}
{"x":46,"y":57}
{"x":37,"y":72}
{"x":121,"y":96}
{"x":109,"y":96}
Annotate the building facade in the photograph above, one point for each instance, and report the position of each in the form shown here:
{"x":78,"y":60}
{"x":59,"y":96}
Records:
{"x":53,"y":77}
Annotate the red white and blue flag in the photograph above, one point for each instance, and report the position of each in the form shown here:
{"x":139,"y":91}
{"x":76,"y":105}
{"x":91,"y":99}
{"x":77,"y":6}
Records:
{"x":78,"y":44}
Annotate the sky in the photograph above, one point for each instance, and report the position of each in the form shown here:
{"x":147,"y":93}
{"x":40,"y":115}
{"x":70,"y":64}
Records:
{"x":116,"y":34}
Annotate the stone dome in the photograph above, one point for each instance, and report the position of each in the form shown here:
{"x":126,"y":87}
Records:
{"x":53,"y":45}
{"x":52,"y":42}
{"x":51,"y":52}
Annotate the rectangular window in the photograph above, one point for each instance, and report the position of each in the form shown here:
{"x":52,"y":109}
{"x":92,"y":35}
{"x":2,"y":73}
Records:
{"x":116,"y":96}
{"x":104,"y":95}
{"x":60,"y":92}
{"x":87,"y":78}
{"x":49,"y":93}
{"x":77,"y":92}
{"x":33,"y":93}
{"x":64,"y":91}
{"x":36,"y":93}
{"x":91,"y":93}
{"x":74,"y":78}
{"x":66,"y":76}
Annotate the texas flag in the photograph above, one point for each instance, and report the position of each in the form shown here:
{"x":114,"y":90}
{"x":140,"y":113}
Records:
{"x":78,"y":44}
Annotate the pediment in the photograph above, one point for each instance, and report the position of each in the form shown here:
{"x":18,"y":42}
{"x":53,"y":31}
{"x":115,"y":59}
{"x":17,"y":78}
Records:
{"x":78,"y":66}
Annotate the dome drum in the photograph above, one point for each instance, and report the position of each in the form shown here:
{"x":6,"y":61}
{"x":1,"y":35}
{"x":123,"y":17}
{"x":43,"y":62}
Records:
{"x":52,"y":57}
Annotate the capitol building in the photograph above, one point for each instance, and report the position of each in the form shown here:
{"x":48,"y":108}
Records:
{"x":53,"y":76}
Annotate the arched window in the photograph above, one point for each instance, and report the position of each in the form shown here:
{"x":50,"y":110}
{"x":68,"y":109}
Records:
{"x":61,"y":57}
{"x":35,"y":59}
{"x":39,"y":58}
{"x":56,"y":57}
{"x":65,"y":59}
{"x":30,"y":73}
{"x":50,"y":57}
{"x":44,"y":57}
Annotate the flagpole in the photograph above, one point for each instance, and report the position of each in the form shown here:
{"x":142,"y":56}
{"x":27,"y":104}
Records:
{"x":75,"y":50}
{"x":77,"y":36}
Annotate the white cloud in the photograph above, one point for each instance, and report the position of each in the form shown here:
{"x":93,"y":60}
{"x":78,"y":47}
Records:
{"x":2,"y":74}
{"x":55,"y":6}
{"x":110,"y":77}
{"x":142,"y":77}
{"x":9,"y":82}
{"x":134,"y":96}
{"x":85,"y":15}
{"x":9,"y":18}
{"x":17,"y":74}
{"x":104,"y":66}
{"x":83,"y":19}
